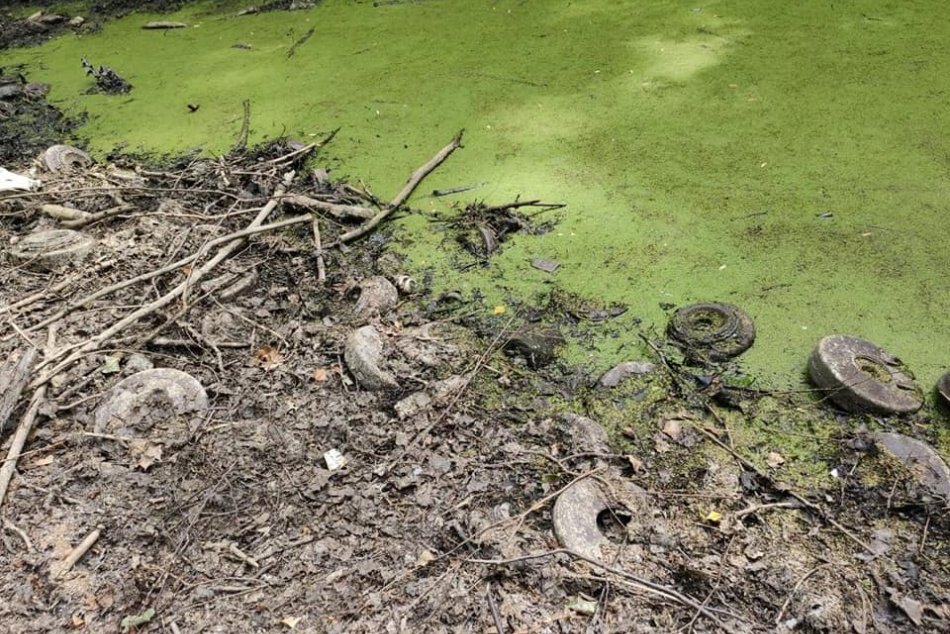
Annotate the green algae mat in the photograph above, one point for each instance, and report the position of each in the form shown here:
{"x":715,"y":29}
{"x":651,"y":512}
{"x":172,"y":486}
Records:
{"x":789,"y":158}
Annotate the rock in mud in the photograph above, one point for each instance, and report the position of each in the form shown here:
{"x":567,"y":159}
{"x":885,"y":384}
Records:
{"x":586,"y":435}
{"x":364,"y":355}
{"x":52,"y":249}
{"x":377,"y":297}
{"x":943,"y":389}
{"x":862,"y":377}
{"x":437,"y":395}
{"x":163,"y":405}
{"x":618,"y":373}
{"x":537,"y":345}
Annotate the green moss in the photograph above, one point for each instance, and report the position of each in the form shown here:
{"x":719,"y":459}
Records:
{"x":696,"y":146}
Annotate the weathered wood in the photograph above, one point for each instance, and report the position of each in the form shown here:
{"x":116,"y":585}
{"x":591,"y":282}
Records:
{"x":13,"y":378}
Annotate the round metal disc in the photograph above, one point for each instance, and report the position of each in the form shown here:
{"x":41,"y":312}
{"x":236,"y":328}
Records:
{"x":712,"y":331}
{"x":52,"y":248}
{"x":61,"y":158}
{"x":861,"y":377}
{"x":159,"y":404}
{"x":921,"y":459}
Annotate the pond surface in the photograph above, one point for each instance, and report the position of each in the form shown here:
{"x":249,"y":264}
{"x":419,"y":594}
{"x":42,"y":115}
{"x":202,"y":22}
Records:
{"x":791,"y":158}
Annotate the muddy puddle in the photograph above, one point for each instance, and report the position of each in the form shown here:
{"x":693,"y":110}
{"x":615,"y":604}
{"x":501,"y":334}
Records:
{"x":791,"y":160}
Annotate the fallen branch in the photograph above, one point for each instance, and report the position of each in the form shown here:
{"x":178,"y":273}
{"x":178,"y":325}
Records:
{"x":23,"y":430}
{"x":335,"y":210}
{"x":321,"y":265}
{"x":646,"y":585}
{"x":53,"y":290}
{"x":410,"y":186}
{"x":77,"y":553}
{"x":13,"y":378}
{"x":235,"y":242}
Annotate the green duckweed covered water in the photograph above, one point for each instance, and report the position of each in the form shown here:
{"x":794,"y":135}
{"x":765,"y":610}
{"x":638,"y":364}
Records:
{"x":700,"y":147}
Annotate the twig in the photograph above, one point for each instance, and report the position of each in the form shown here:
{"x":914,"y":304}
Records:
{"x":23,"y":430}
{"x":526,"y":203}
{"x":89,"y":218}
{"x":644,"y":584}
{"x":291,"y":155}
{"x":306,"y":36}
{"x":77,"y":553}
{"x":56,"y":288}
{"x":496,"y":617}
{"x":13,"y":378}
{"x":318,"y":247}
{"x":240,"y":554}
{"x":235,"y":242}
{"x":788,"y":599}
{"x":805,"y":502}
{"x":241,"y":142}
{"x":335,"y":210}
{"x":10,"y":526}
{"x":406,"y":191}
{"x":762,"y":507}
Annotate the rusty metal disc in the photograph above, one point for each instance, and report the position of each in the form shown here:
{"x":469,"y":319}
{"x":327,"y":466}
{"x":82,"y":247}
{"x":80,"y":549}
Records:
{"x":712,"y":331}
{"x":862,"y":377}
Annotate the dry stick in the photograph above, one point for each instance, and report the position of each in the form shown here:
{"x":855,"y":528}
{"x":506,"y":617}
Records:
{"x":658,"y":589}
{"x":290,"y":155}
{"x":241,"y":142}
{"x":226,"y":251}
{"x":13,"y":378}
{"x":805,"y":502}
{"x":168,"y":268}
{"x":496,"y":617}
{"x":56,"y":288}
{"x":401,"y":197}
{"x":336,"y":210}
{"x":321,"y":265}
{"x":788,"y":599}
{"x":238,"y":241}
{"x":96,"y":217}
{"x":23,"y":430}
{"x":77,"y":553}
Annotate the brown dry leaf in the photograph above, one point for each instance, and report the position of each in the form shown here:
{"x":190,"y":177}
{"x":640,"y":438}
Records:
{"x":635,"y":463}
{"x":146,"y":453}
{"x":269,"y":357}
{"x":320,"y":375}
{"x":42,"y":462}
{"x":673,"y":428}
{"x":291,"y":621}
{"x":775,"y":459}
{"x":913,"y":608}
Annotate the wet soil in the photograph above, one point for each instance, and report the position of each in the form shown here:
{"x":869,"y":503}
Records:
{"x":441,"y":518}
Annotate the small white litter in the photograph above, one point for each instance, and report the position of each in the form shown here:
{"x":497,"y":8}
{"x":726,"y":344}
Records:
{"x":11,"y":181}
{"x":334,"y":459}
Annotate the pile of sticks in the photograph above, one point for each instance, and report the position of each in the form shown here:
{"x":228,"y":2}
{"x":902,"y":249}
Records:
{"x":226,"y":189}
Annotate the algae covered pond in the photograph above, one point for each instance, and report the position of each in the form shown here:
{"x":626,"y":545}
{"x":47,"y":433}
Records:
{"x":791,"y":158}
